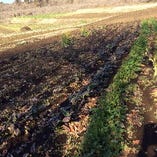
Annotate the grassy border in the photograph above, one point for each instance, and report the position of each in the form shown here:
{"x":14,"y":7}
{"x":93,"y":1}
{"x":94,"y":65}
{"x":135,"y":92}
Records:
{"x":104,"y":137}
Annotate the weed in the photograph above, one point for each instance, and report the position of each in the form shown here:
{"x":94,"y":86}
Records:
{"x":66,"y":40}
{"x":83,"y":21}
{"x":153,"y":24}
{"x":102,"y":27}
{"x":85,"y":32}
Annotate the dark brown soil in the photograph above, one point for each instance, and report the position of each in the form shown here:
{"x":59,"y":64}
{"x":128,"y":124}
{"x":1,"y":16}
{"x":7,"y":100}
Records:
{"x":39,"y":88}
{"x":149,"y":141}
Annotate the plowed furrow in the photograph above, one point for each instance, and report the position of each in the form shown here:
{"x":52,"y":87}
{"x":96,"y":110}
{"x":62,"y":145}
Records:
{"x":48,"y":89}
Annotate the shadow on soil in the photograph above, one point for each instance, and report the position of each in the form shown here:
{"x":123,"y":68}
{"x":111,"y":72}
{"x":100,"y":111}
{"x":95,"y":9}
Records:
{"x":149,"y":141}
{"x":35,"y":81}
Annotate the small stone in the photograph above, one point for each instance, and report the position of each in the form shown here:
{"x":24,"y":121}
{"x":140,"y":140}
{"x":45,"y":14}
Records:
{"x":26,"y":155}
{"x":17,"y":132}
{"x":136,"y":142}
{"x":66,"y":119}
{"x":11,"y":128}
{"x":25,"y":28}
{"x":14,"y":131}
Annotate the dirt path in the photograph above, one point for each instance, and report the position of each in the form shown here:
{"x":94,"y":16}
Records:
{"x":142,"y":114}
{"x":149,"y":100}
{"x":147,"y":132}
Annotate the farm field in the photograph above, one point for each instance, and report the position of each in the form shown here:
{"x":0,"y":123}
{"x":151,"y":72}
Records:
{"x":13,"y":33}
{"x":79,"y":84}
{"x":50,"y":77}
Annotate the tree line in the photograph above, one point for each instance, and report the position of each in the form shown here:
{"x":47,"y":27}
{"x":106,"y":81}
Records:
{"x":41,"y":1}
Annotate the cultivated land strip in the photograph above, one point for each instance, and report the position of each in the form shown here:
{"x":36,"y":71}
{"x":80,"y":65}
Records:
{"x":37,"y":86}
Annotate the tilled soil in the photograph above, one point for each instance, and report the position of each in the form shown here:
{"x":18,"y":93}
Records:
{"x":47,"y":87}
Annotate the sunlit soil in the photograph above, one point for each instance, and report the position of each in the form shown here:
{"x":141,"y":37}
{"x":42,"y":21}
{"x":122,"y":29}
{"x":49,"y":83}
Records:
{"x":44,"y":26}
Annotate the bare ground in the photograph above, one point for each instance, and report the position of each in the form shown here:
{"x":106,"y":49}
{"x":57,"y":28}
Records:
{"x":141,"y":118}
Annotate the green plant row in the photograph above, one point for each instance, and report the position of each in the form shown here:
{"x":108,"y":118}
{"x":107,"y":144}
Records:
{"x":105,"y":135}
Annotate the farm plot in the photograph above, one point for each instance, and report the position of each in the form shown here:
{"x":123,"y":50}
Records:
{"x":47,"y":88}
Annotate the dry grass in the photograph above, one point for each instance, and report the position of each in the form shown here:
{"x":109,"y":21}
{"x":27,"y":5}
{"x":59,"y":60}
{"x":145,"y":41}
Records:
{"x":50,"y":24}
{"x":57,"y":6}
{"x":119,"y":9}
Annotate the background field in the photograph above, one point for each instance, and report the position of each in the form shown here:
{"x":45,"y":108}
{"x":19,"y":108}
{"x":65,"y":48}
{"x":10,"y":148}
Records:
{"x":46,"y":25}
